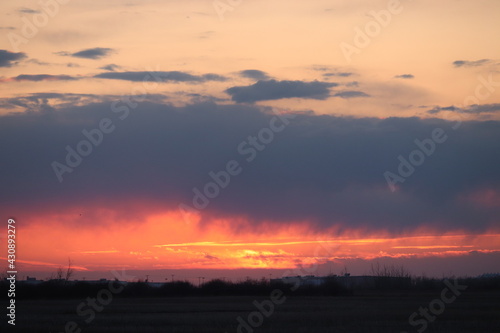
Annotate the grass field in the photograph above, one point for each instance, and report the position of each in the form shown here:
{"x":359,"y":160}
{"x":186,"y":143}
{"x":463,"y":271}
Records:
{"x":375,"y":312}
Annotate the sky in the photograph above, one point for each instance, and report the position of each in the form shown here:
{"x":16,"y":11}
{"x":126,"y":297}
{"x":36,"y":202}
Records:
{"x":248,"y":138}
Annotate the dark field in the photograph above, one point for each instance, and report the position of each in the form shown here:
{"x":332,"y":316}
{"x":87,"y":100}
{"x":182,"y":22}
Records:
{"x":474,"y":311}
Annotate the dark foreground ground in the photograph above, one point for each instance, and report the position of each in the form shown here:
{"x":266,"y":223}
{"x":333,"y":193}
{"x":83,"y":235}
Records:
{"x":475,"y":311}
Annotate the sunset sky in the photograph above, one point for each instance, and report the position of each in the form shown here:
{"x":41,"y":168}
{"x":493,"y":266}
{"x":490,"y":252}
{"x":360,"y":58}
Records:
{"x":248,"y":138}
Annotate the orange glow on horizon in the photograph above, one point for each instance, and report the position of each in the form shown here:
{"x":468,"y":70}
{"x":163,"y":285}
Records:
{"x":166,"y":241}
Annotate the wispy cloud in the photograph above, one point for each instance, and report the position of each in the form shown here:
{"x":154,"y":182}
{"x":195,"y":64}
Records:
{"x":472,"y":109}
{"x":351,"y":94}
{"x":99,"y":252}
{"x":338,"y":74}
{"x":467,"y":63}
{"x":43,"y":77}
{"x":25,"y":10}
{"x":111,"y":67}
{"x":238,"y":244}
{"x":39,"y":102}
{"x":404,"y":76}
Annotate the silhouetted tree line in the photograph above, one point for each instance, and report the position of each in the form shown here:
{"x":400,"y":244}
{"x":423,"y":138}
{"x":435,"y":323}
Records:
{"x":472,"y":283}
{"x":63,"y":289}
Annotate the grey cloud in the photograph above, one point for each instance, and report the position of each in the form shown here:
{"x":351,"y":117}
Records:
{"x":8,"y":59}
{"x":25,"y":10}
{"x":273,"y":89}
{"x":352,"y":84}
{"x":213,"y":77}
{"x":324,"y":169}
{"x":199,"y":98}
{"x":472,"y":109}
{"x":404,"y":76}
{"x":439,"y":109}
{"x":47,"y":102}
{"x":254,"y":74}
{"x":44,"y":77}
{"x":110,"y":67}
{"x":160,"y":76}
{"x":484,"y":108}
{"x":351,"y":94}
{"x":467,"y":63}
{"x":338,"y":74}
{"x":211,"y":257}
{"x":321,"y":68}
{"x":93,"y":53}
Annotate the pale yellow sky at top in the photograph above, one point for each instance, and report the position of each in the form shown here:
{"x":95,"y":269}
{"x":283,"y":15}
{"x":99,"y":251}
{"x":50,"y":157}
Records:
{"x":286,"y":39}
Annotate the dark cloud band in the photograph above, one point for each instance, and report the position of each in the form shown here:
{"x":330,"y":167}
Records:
{"x":324,"y":169}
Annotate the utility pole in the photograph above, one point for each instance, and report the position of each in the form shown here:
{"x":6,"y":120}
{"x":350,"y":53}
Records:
{"x":147,"y":278}
{"x":172,"y":277}
{"x":199,"y":280}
